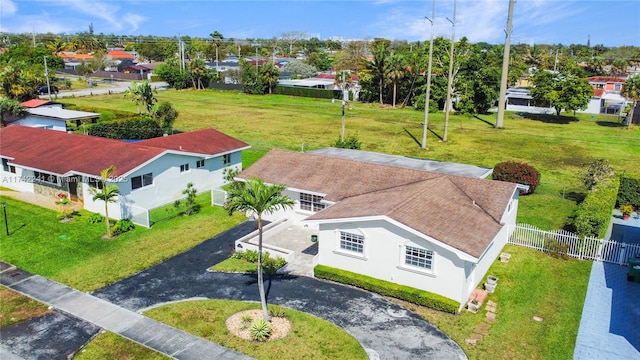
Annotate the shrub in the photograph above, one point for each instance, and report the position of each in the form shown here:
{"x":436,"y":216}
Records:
{"x":122,"y":226}
{"x":129,"y":129}
{"x":594,"y":214}
{"x":597,"y":171}
{"x":351,"y":142}
{"x":269,"y":265}
{"x":386,"y":288}
{"x":95,"y":218}
{"x":517,"y":172}
{"x":260,"y":330}
{"x":556,"y":248}
{"x":629,"y":192}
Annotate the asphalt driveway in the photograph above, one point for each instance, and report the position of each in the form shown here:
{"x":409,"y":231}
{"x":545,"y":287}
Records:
{"x":386,"y":330}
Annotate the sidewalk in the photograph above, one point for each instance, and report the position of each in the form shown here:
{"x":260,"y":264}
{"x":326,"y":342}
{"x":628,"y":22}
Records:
{"x":133,"y":326}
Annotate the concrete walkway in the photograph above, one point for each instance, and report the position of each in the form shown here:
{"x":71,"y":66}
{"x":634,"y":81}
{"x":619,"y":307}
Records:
{"x":138,"y":328}
{"x":609,"y":328}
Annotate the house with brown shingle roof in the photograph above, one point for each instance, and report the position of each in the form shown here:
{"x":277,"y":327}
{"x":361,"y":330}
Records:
{"x":149,"y":173}
{"x":432,"y":231}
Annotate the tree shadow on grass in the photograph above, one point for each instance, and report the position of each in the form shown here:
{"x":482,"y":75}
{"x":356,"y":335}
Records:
{"x":483,"y":120}
{"x":578,"y":197}
{"x":609,"y":123}
{"x":416,"y":139}
{"x":550,"y":119}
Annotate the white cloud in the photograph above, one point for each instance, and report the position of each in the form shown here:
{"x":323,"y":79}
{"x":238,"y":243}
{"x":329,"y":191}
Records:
{"x":7,"y":7}
{"x":134,"y":21}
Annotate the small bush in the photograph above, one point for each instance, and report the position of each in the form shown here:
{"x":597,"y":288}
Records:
{"x":597,"y":171}
{"x":351,"y":142}
{"x":517,"y":172}
{"x":95,"y":218}
{"x":629,"y":192}
{"x":277,"y":313}
{"x":122,"y":226}
{"x":556,"y":248}
{"x":269,"y":265}
{"x":386,"y":288}
{"x":260,"y":330}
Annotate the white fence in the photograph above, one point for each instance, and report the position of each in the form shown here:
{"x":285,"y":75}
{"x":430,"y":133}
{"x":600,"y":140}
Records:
{"x":588,"y":248}
{"x":218,"y":197}
{"x":138,"y":215}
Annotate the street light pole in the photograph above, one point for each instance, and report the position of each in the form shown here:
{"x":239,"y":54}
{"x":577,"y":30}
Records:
{"x":425,"y":125}
{"x":46,"y":74}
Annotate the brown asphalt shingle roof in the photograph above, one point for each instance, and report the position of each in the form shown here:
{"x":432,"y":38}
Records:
{"x":462,"y":212}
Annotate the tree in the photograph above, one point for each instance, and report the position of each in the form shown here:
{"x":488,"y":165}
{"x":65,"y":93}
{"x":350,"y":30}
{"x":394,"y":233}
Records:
{"x":198,"y":70}
{"x":256,"y":197}
{"x":172,"y":73}
{"x":270,"y":75}
{"x":560,"y":91}
{"x":165,"y":115}
{"x":631,"y":90}
{"x":378,"y":68}
{"x":142,"y":94}
{"x":106,"y":193}
{"x":10,"y":107}
{"x":597,"y":171}
{"x":299,"y":69}
{"x":396,"y":71}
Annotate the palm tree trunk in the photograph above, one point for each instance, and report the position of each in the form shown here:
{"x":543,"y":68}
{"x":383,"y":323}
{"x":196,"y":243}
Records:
{"x":630,"y":115}
{"x":106,"y":217}
{"x":263,"y":299}
{"x":395,"y":86}
{"x":380,"y":88}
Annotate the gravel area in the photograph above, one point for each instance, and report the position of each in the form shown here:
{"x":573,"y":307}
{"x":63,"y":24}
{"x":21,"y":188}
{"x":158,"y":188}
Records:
{"x":280,"y":327}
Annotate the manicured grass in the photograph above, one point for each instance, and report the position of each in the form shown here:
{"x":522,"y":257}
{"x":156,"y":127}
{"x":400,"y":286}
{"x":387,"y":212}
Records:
{"x":558,"y":148}
{"x":75,"y":254}
{"x":235,"y":265}
{"x":531,"y":284}
{"x":310,"y":337}
{"x":15,"y":307}
{"x":110,"y":346}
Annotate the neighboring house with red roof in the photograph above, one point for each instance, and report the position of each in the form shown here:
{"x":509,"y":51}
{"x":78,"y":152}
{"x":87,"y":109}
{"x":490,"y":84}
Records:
{"x":400,"y":223}
{"x":149,"y":173}
{"x":120,"y":55}
{"x":49,"y":115}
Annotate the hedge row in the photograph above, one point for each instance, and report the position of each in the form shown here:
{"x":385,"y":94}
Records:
{"x":131,"y":129}
{"x":386,"y":288}
{"x":594,"y":214}
{"x":629,"y":192}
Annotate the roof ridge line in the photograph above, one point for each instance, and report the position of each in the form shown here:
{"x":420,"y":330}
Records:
{"x":473,"y":200}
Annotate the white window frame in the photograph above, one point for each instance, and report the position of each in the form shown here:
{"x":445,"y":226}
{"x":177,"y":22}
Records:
{"x":45,"y":179}
{"x":200,"y":164}
{"x":417,"y":268}
{"x":310,"y":202}
{"x":226,"y":159}
{"x":348,"y":250}
{"x":6,"y":167}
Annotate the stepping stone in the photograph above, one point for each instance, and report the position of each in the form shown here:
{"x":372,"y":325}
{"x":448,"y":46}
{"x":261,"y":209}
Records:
{"x":492,"y":303}
{"x":476,"y":337}
{"x":491,"y":308}
{"x":482,"y":328}
{"x":491,"y":317}
{"x":471,"y":341}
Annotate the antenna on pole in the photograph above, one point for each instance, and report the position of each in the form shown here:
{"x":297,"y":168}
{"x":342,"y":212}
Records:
{"x":505,"y":69}
{"x":425,"y":124}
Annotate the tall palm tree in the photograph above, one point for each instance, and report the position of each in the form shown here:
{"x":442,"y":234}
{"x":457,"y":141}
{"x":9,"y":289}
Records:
{"x":631,"y":90}
{"x":396,"y":71}
{"x":108,"y":193}
{"x":378,"y":66}
{"x":198,"y":70}
{"x":256,"y":197}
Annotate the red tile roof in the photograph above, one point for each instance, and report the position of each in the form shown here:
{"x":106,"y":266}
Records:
{"x":120,"y":54}
{"x":204,"y":141}
{"x":432,"y":203}
{"x":606,"y":79}
{"x":34,"y":103}
{"x":62,"y":153}
{"x":75,"y":56}
{"x":598,"y":92}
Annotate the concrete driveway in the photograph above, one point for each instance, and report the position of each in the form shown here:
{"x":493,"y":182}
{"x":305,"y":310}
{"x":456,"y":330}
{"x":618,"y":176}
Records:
{"x":386,"y":330}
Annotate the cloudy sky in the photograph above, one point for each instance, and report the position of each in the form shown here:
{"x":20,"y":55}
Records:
{"x":608,"y":22}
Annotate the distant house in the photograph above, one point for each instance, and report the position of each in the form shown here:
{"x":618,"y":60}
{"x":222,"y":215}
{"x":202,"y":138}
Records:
{"x":149,"y":173}
{"x":602,"y":102}
{"x":391,"y":219}
{"x":49,"y":115}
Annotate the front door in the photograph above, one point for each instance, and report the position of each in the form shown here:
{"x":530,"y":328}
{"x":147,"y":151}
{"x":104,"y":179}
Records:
{"x":74,"y":182}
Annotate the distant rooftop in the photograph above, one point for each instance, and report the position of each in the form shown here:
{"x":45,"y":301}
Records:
{"x":408,"y":162}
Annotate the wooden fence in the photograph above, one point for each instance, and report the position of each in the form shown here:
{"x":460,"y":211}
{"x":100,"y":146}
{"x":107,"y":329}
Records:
{"x":569,"y":243}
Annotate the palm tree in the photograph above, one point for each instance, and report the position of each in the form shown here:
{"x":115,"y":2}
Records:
{"x":108,"y":194}
{"x":395,"y":72}
{"x":631,"y":90}
{"x":378,"y":66}
{"x":133,"y":92}
{"x":256,"y":197}
{"x":270,"y":75}
{"x":198,"y":70}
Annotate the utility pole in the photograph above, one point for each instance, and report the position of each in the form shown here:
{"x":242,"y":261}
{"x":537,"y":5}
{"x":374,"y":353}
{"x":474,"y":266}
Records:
{"x":46,"y":74}
{"x":505,"y":69}
{"x":344,"y":100}
{"x":555,"y":63}
{"x":425,"y":124}
{"x":447,"y":105}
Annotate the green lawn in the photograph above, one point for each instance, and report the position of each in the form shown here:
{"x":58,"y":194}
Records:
{"x":76,"y":255}
{"x":558,"y":148}
{"x":531,"y":284}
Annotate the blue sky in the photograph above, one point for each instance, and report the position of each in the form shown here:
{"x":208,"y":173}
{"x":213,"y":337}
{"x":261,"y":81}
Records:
{"x":612,"y":23}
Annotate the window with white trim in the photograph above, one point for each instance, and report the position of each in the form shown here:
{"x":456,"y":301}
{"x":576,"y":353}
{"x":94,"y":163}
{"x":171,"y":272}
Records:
{"x":46,"y":177}
{"x":200,"y":164}
{"x":418,"y":257}
{"x":7,"y":167}
{"x":184,"y":167}
{"x":311,"y":202}
{"x":351,"y":242}
{"x":141,"y":181}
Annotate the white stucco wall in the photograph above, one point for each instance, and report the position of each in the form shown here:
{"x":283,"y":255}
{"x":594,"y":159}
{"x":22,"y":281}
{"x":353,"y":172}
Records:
{"x":168,"y":182}
{"x":383,"y":257}
{"x":21,"y":180}
{"x":40,"y":122}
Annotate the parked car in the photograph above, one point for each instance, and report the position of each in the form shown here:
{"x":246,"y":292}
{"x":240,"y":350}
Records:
{"x":43,"y":90}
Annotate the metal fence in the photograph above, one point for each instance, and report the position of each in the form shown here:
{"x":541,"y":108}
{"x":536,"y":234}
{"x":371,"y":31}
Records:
{"x":138,"y":215}
{"x":218,"y":197}
{"x":588,"y":248}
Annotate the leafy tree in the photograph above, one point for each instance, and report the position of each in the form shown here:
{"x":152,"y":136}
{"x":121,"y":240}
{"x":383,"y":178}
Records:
{"x":250,"y":78}
{"x":190,"y":204}
{"x":165,"y":114}
{"x":142,"y":94}
{"x":10,"y":107}
{"x":519,"y":173}
{"x":216,"y":50}
{"x":198,"y":70}
{"x":157,"y":49}
{"x":106,"y":193}
{"x":299,"y":69}
{"x":172,"y":74}
{"x":270,"y":75}
{"x":351,"y":142}
{"x":631,"y":90}
{"x":259,"y":198}
{"x":561,"y":91}
{"x":377,"y":68}
{"x":320,"y":60}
